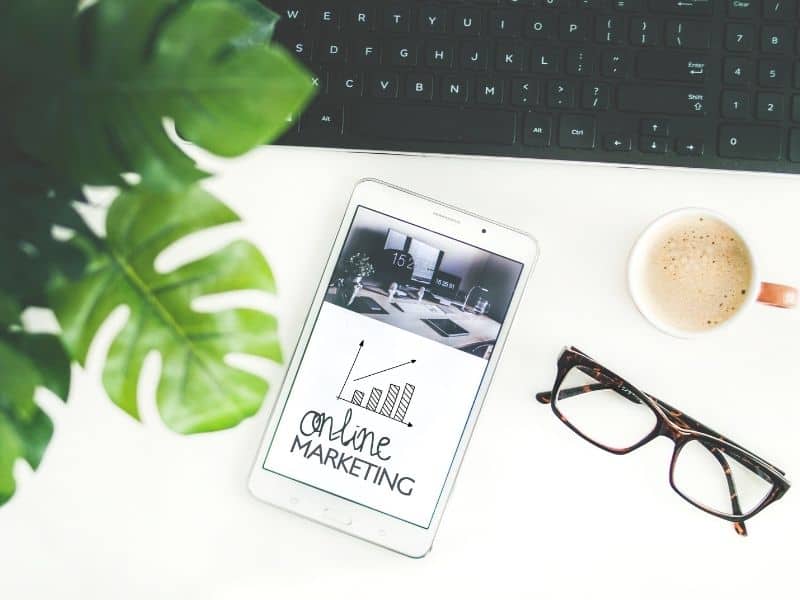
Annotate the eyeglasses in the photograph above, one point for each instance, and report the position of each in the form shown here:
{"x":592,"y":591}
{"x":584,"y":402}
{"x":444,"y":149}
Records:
{"x":708,"y":470}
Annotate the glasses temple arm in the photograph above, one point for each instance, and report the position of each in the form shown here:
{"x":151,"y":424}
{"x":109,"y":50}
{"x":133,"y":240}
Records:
{"x":739,"y":526}
{"x":547,"y":397}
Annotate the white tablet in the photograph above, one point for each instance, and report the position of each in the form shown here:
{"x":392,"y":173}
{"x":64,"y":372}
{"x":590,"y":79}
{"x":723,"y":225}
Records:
{"x":391,"y":369}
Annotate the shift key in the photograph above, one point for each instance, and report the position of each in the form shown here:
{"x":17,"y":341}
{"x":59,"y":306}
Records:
{"x":662,"y":100}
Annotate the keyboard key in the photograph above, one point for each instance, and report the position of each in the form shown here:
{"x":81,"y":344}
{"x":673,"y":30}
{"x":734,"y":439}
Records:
{"x":773,"y":73}
{"x":334,"y":52}
{"x":682,"y":7}
{"x":538,"y":130}
{"x":560,"y":94}
{"x":610,"y":30}
{"x":652,"y":145}
{"x":367,"y":54}
{"x":467,"y":21}
{"x":510,"y":57}
{"x":489,"y":91}
{"x":685,"y":147}
{"x":539,"y":27}
{"x":615,"y":63}
{"x":434,"y":124}
{"x":781,"y":10}
{"x":455,"y":89}
{"x":775,"y":39}
{"x":362,"y":18}
{"x":320,"y":82}
{"x":404,"y":53}
{"x":347,"y":85}
{"x":753,"y":142}
{"x":505,"y":23}
{"x":735,"y":105}
{"x":475,"y":56}
{"x":325,"y":120}
{"x":572,"y":28}
{"x":328,"y":18}
{"x":671,"y":66}
{"x":545,"y":60}
{"x":692,"y":35}
{"x":579,"y":62}
{"x":738,"y":71}
{"x":524,"y":92}
{"x":645,"y":32}
{"x":596,"y":96}
{"x":657,"y":99}
{"x":796,"y":108}
{"x":385,"y":85}
{"x":293,"y":16}
{"x":770,"y":107}
{"x":654,"y":127}
{"x":432,"y":19}
{"x":419,"y":87}
{"x":577,"y":131}
{"x":617,"y":143}
{"x":739,"y":37}
{"x":302,"y":47}
{"x":397,"y":19}
{"x":439,"y":55}
{"x":742,"y":9}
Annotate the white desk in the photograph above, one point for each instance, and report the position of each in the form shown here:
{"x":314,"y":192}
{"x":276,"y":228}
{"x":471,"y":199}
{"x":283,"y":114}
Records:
{"x":125,"y":510}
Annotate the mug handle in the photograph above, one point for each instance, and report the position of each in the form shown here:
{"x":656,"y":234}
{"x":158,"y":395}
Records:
{"x":775,"y":294}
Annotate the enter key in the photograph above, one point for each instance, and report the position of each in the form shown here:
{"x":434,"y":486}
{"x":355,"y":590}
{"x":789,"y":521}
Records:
{"x":672,"y":66}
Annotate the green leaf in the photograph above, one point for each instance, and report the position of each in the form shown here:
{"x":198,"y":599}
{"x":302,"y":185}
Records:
{"x":32,"y":201}
{"x":27,"y":361}
{"x":93,"y":107}
{"x":197,"y":390}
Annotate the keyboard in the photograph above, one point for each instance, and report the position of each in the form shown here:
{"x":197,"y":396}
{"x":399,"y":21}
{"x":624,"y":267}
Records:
{"x":687,"y":83}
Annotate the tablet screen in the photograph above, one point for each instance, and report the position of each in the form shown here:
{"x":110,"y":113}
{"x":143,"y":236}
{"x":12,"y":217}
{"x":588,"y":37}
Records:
{"x":382,"y":397}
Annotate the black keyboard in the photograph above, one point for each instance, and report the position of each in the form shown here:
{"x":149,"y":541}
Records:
{"x":690,"y":83}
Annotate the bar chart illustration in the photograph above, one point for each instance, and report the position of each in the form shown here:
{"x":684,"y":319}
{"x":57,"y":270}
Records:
{"x":394,"y":404}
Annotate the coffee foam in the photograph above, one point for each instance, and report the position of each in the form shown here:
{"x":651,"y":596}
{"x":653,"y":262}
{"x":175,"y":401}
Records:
{"x":696,"y":273}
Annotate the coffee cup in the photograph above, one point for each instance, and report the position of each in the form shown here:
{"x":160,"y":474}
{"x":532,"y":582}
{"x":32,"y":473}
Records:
{"x":692,"y":272}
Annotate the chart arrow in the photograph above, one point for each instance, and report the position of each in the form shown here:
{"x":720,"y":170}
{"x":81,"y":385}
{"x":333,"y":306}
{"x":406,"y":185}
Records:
{"x":410,"y":362}
{"x":360,"y":346}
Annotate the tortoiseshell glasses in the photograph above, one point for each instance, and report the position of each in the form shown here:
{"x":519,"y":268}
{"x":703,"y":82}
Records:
{"x":708,"y":470}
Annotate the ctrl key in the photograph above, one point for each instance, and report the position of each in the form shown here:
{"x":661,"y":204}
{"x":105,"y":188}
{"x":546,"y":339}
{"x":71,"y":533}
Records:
{"x":751,"y":142}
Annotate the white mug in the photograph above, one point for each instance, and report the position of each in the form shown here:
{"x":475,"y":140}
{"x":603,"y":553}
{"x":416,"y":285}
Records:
{"x":774,"y":294}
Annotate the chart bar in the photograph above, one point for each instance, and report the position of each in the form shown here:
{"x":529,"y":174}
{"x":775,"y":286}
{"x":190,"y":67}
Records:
{"x":405,"y":400}
{"x":358,"y":396}
{"x":374,"y":398}
{"x":391,"y":398}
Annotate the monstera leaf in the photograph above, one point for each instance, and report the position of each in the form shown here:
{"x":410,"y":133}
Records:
{"x":27,"y":361}
{"x":90,"y":101}
{"x":197,"y":390}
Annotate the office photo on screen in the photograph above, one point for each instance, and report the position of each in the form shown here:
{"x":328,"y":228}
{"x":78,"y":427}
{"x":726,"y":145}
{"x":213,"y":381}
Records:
{"x":423,"y":282}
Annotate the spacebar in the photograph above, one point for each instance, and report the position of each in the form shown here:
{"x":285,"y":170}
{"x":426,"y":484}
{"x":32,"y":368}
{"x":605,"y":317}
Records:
{"x":432,"y":124}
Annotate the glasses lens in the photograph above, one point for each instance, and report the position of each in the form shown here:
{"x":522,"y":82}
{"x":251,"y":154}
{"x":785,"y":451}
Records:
{"x":700,"y":474}
{"x":602,"y":414}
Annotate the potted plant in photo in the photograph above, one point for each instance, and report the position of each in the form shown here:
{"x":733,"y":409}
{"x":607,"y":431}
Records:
{"x":94,"y":92}
{"x":355,"y":267}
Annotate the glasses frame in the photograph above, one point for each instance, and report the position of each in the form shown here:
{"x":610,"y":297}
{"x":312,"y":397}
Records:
{"x":673,"y":424}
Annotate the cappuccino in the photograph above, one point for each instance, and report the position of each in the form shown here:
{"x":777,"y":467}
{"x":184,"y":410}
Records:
{"x":696,"y":273}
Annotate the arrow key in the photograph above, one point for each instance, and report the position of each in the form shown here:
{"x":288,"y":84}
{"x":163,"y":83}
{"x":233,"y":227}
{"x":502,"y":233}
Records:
{"x":689,"y":147}
{"x":655,"y":127}
{"x":614,"y":142}
{"x":652,"y":145}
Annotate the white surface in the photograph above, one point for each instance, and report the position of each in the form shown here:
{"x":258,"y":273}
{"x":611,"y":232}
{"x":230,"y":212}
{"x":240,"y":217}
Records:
{"x":125,"y":510}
